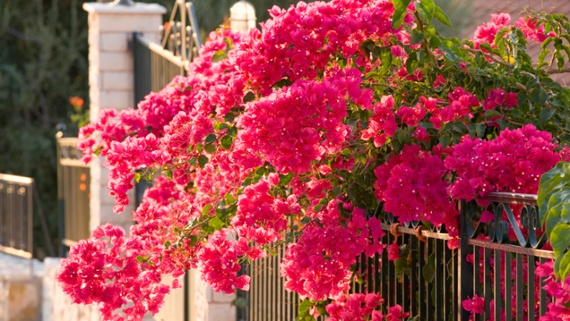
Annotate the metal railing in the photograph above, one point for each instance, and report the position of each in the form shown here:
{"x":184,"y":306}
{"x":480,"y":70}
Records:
{"x":495,"y":260}
{"x":16,"y":215}
{"x":73,"y":179}
{"x":154,"y":68}
{"x":155,"y":65}
{"x":498,"y":258}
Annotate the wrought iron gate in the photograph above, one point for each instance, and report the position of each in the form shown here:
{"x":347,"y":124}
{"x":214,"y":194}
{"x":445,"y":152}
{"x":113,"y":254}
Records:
{"x":16,"y":215}
{"x":155,"y":65}
{"x":436,"y":279}
{"x":73,"y":179}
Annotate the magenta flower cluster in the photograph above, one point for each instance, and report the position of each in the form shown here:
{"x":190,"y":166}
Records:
{"x":274,"y":137}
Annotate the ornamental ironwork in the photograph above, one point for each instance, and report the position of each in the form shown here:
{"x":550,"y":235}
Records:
{"x":181,"y":35}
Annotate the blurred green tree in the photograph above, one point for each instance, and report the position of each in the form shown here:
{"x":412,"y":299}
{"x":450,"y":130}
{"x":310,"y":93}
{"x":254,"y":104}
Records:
{"x":43,"y":61}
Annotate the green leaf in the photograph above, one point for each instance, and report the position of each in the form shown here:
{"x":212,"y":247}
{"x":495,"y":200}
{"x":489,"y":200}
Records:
{"x":138,"y":177}
{"x":248,"y":97}
{"x":400,"y":11}
{"x":451,"y":49}
{"x":206,"y":209}
{"x":560,"y":238}
{"x":562,"y":265}
{"x":442,"y":17}
{"x":210,"y":139}
{"x":219,"y":56}
{"x":202,"y":161}
{"x":216,"y":223}
{"x":545,"y":115}
{"x":286,"y":179}
{"x":542,"y":56}
{"x":210,"y":148}
{"x":227,"y":141}
{"x":428,"y":270}
{"x":551,"y":182}
{"x":426,"y":8}
{"x":168,"y":174}
{"x":538,"y":97}
{"x":336,"y":191}
{"x":232,"y":131}
{"x":322,"y":203}
{"x":304,"y":308}
{"x":444,"y":141}
{"x":559,"y":210}
{"x":230,"y":199}
{"x":491,"y":113}
{"x":386,"y":59}
{"x":417,"y":37}
{"x":229,"y":117}
{"x":480,"y":129}
{"x":305,"y":220}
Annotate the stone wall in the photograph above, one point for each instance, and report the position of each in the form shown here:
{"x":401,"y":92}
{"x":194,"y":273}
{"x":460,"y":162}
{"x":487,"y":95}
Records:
{"x":20,"y":288}
{"x":56,"y":305}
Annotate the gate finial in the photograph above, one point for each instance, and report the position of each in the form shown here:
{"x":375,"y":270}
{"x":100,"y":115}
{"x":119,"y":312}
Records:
{"x":128,"y":3}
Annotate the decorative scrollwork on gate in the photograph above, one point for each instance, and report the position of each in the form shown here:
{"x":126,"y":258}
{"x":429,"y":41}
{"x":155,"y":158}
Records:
{"x":181,"y":35}
{"x":515,"y":219}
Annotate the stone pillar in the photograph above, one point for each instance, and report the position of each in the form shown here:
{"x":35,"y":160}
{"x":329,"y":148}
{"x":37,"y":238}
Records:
{"x":208,"y":305}
{"x":111,"y":83}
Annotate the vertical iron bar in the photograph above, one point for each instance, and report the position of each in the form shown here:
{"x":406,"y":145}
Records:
{"x":413,"y":285}
{"x":543,"y":299}
{"x":438,"y":299}
{"x":422,"y":307}
{"x":447,"y":290}
{"x":456,"y":283}
{"x":508,"y":285}
{"x":467,"y":274}
{"x":487,"y":292}
{"x":497,"y":285}
{"x":519,"y":286}
{"x":186,"y":295}
{"x":530,"y":287}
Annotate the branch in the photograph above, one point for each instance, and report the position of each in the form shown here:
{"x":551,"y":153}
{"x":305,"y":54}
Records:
{"x":492,"y":57}
{"x":23,"y":36}
{"x":551,"y":71}
{"x":499,"y":61}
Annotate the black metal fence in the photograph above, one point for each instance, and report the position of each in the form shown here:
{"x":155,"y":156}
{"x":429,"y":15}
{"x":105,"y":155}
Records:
{"x":73,"y":179}
{"x":154,"y":68}
{"x":16,"y":215}
{"x":495,"y":260}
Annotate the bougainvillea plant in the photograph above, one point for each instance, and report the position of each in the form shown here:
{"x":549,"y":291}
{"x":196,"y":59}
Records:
{"x":296,"y":132}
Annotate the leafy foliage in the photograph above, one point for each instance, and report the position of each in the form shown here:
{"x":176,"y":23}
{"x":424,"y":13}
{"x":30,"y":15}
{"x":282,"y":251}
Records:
{"x":554,"y":205}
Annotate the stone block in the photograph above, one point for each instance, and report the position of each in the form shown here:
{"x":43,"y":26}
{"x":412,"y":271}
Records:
{"x":95,"y":81}
{"x":114,"y":41}
{"x":128,"y":23}
{"x":118,"y":80}
{"x":94,"y":41}
{"x":116,"y":99}
{"x":93,"y":57}
{"x":59,"y":306}
{"x":218,"y":297}
{"x":23,"y":301}
{"x":20,"y":288}
{"x":221,"y":312}
{"x":115,"y":61}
